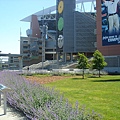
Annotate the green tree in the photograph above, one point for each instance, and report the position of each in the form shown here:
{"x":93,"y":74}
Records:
{"x":82,"y":62}
{"x":98,"y":61}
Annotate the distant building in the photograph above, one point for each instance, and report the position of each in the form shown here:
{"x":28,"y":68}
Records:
{"x":11,"y":61}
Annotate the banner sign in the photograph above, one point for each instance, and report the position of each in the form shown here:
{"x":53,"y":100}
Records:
{"x":60,"y":25}
{"x":110,"y":10}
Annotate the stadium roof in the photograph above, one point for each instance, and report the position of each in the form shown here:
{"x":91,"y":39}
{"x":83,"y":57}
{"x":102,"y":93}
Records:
{"x":50,"y":10}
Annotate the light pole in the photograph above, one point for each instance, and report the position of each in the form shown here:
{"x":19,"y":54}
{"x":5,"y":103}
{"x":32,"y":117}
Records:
{"x":44,"y":33}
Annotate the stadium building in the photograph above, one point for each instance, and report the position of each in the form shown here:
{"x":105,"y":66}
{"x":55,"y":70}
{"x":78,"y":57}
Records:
{"x":63,"y":30}
{"x":59,"y":31}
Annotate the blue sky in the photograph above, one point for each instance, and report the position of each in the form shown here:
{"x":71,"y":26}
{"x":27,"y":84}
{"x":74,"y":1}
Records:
{"x":12,"y":11}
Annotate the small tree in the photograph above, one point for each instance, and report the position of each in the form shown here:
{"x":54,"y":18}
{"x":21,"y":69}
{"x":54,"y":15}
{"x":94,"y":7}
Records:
{"x":98,"y":61}
{"x":82,"y":62}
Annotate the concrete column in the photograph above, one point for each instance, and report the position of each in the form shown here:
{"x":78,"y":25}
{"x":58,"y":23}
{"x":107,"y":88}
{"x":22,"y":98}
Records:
{"x":64,"y":57}
{"x":71,"y":57}
{"x":20,"y":62}
{"x":58,"y":60}
{"x":8,"y":61}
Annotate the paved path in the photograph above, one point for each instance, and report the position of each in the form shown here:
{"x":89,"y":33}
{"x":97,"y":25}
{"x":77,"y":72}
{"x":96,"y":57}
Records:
{"x":11,"y":114}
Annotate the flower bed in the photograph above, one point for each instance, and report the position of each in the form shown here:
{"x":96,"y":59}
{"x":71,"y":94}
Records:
{"x":38,"y":102}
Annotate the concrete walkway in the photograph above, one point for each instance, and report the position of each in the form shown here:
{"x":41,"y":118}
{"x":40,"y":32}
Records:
{"x":11,"y":113}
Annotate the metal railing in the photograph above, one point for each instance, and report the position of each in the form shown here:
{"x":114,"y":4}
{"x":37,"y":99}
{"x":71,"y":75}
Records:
{"x":4,"y":90}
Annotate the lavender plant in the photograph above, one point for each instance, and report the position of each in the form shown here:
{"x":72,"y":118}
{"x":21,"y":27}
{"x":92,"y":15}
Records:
{"x":38,"y":102}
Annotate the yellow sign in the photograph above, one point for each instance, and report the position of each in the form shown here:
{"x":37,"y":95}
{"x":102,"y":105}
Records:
{"x":60,"y":7}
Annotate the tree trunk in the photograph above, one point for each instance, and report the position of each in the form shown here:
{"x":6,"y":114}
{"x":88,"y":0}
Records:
{"x":99,"y":73}
{"x":83,"y":73}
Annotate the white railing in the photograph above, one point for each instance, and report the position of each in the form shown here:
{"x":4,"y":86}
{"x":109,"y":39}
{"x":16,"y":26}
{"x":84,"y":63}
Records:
{"x":4,"y":90}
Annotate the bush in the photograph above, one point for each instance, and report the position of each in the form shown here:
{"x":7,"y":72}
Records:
{"x":38,"y":102}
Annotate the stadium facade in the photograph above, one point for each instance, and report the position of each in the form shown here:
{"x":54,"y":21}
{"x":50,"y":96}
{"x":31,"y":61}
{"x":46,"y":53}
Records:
{"x":67,"y":32}
{"x":63,"y":33}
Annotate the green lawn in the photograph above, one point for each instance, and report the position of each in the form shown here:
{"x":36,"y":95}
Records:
{"x":99,"y":94}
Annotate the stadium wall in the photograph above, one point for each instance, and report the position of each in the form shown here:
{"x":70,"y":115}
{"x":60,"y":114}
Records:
{"x":107,"y":50}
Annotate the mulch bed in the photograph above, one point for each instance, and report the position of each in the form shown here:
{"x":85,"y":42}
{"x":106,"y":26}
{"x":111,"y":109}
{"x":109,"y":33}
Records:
{"x":47,"y":79}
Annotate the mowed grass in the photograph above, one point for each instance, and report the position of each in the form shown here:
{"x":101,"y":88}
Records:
{"x":99,"y":94}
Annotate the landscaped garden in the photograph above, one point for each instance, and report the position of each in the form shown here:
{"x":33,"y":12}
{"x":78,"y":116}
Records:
{"x":99,"y":94}
{"x":38,"y":102}
{"x":94,"y":96}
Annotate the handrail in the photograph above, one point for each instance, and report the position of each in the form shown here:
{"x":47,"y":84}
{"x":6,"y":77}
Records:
{"x":4,"y":90}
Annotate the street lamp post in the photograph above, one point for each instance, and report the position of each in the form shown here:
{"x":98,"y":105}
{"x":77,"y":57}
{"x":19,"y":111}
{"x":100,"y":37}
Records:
{"x":44,"y":33}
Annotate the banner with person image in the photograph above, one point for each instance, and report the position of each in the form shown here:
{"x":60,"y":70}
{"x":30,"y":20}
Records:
{"x":110,"y":10}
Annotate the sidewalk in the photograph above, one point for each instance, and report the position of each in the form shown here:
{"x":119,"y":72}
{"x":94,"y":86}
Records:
{"x":11,"y":113}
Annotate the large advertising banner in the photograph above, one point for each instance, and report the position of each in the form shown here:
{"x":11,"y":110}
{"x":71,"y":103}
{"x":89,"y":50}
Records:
{"x":110,"y":10}
{"x":60,"y":25}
